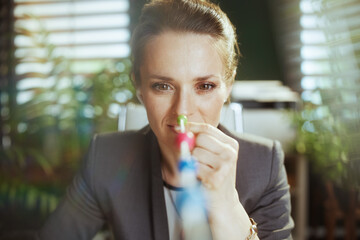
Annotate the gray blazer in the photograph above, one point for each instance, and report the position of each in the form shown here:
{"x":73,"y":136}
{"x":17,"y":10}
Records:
{"x":120,"y":183}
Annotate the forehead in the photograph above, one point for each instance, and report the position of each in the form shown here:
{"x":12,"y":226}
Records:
{"x":177,"y":53}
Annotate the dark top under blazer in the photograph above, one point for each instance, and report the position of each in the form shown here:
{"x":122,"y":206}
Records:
{"x":120,"y":183}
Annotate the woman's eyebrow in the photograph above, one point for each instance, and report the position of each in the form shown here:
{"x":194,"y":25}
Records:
{"x":160,"y":77}
{"x":197,"y":79}
{"x":204,"y":78}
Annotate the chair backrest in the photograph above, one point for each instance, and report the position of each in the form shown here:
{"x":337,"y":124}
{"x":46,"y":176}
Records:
{"x":133,"y":117}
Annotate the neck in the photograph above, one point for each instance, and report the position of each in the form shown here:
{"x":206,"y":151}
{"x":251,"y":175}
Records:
{"x":169,"y":166}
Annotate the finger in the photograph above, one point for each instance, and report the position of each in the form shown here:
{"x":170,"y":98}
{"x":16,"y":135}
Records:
{"x":203,"y":174}
{"x":198,"y":128}
{"x":210,"y":143}
{"x":207,"y":158}
{"x":210,"y":177}
{"x":222,"y":150}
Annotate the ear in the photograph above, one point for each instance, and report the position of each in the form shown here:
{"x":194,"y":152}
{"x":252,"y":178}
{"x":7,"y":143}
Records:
{"x":138,"y":91}
{"x":139,"y":96}
{"x":229,"y":88}
{"x":228,"y":93}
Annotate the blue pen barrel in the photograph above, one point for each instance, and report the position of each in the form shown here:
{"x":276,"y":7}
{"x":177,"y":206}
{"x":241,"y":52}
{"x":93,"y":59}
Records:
{"x":191,"y":203}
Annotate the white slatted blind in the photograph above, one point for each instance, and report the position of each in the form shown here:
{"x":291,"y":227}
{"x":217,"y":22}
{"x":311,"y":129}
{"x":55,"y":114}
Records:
{"x":320,"y":45}
{"x":85,"y":32}
{"x":80,"y":29}
{"x":319,"y":41}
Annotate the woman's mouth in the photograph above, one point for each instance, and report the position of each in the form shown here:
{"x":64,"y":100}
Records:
{"x":173,"y":128}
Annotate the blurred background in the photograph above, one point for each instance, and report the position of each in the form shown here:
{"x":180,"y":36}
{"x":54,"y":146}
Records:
{"x":64,"y":75}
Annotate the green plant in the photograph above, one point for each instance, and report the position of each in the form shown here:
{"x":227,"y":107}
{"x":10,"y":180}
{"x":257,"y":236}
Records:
{"x":330,"y":143}
{"x":48,"y":135}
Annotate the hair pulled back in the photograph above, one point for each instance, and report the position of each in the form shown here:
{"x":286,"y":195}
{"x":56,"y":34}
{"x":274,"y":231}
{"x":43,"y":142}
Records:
{"x":189,"y":16}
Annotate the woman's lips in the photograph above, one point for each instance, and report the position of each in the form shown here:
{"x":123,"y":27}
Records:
{"x":173,"y":128}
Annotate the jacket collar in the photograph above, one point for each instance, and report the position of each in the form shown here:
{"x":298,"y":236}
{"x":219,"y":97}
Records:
{"x":159,"y":215}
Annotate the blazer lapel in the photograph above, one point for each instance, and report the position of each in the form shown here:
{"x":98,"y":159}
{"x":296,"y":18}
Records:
{"x":160,"y":222}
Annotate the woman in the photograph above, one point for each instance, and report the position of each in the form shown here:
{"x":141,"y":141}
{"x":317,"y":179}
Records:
{"x":185,"y":58}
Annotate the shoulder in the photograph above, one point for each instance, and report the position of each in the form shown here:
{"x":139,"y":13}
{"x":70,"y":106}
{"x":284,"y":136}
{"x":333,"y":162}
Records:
{"x":259,"y":156}
{"x":262,"y":157}
{"x":115,"y":157}
{"x":117,"y":143}
{"x":262,"y":185}
{"x":259,"y":162}
{"x":249,"y":142}
{"x":253,"y":145}
{"x":110,"y":152}
{"x":260,"y":150}
{"x":114,"y":138}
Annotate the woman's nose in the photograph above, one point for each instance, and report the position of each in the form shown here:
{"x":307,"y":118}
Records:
{"x":184,"y":103}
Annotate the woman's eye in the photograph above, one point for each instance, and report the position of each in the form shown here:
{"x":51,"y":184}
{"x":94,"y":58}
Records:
{"x":161,"y":86}
{"x":206,"y":87}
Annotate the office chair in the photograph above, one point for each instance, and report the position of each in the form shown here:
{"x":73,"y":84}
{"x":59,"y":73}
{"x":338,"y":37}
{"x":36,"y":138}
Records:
{"x":133,"y":117}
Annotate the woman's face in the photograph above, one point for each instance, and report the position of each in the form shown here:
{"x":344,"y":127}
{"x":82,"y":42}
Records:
{"x":181,"y":73}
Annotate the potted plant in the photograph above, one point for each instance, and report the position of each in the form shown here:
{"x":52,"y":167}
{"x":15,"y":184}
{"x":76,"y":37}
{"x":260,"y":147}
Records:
{"x":48,"y":135}
{"x":329,"y":139}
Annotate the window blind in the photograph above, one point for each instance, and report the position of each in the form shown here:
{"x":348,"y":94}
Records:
{"x":80,"y":37}
{"x":87,"y":33}
{"x":319,"y":41}
{"x":82,"y":31}
{"x":6,"y":68}
{"x":319,"y":45}
{"x":62,"y":64}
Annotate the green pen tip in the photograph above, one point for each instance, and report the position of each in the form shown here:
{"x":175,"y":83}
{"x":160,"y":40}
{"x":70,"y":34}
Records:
{"x":182,"y":118}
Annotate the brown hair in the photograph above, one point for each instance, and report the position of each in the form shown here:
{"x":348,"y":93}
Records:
{"x":196,"y":16}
